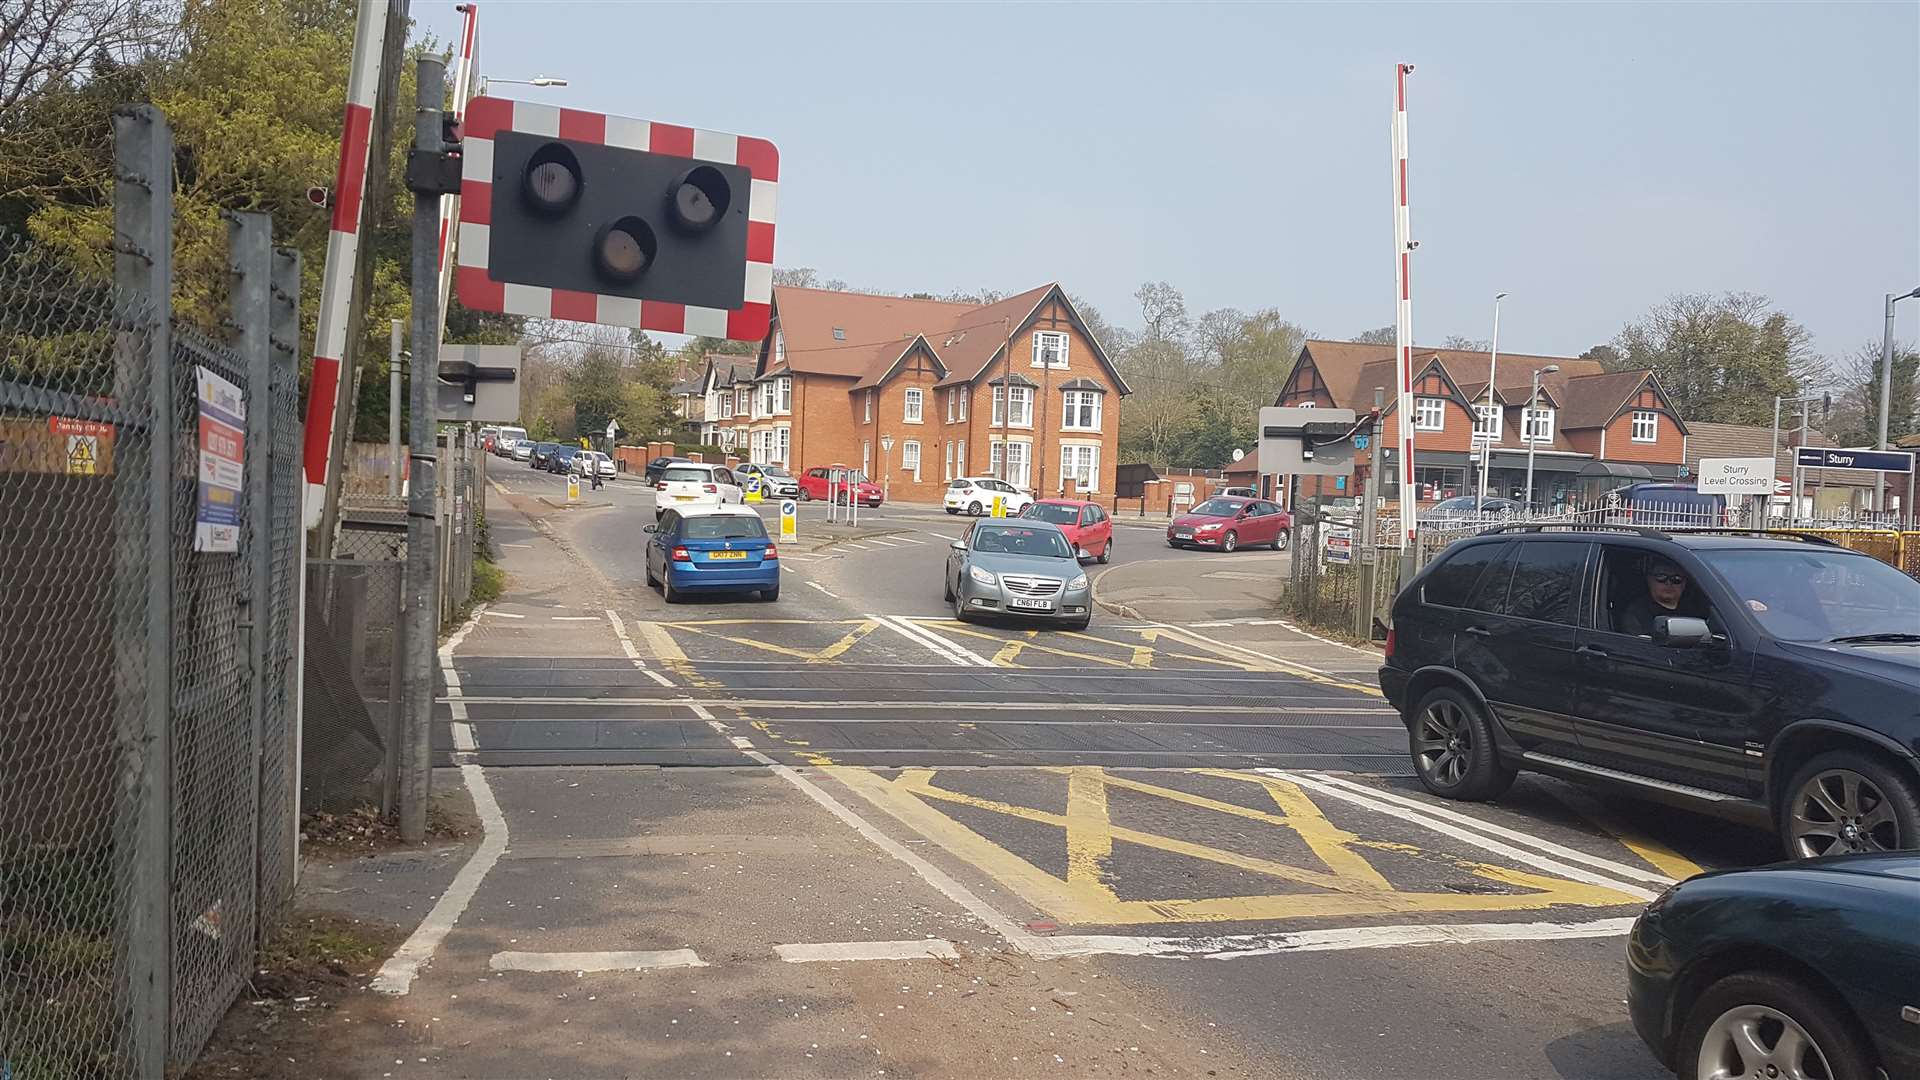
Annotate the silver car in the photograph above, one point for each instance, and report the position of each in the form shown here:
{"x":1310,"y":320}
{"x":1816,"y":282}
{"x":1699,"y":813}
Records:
{"x":1020,"y":567}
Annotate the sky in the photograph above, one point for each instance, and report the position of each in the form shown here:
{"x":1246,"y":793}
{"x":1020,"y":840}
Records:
{"x":1586,"y":159}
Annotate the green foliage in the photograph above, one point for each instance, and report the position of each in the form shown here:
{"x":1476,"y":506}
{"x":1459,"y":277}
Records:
{"x":1379,"y":335}
{"x":1721,"y":359}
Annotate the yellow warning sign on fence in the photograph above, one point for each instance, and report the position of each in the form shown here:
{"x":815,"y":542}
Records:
{"x":83,"y":455}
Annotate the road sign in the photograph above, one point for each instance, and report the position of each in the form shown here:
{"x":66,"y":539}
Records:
{"x":1822,"y":457}
{"x":753,"y":489}
{"x":594,"y":218}
{"x":999,"y":506}
{"x":1360,"y":442}
{"x":1339,"y":546}
{"x":886,"y":444}
{"x":223,"y":445}
{"x":789,"y":519}
{"x":1736,"y":476}
{"x":613,"y":430}
{"x":573,"y":488}
{"x":83,"y":455}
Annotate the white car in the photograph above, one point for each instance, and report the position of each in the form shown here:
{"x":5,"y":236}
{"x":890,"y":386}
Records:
{"x":974,"y":495}
{"x":693,"y":483}
{"x":587,"y":462}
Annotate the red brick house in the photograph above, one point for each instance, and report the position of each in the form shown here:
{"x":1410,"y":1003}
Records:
{"x":840,"y":373}
{"x":1593,"y":430}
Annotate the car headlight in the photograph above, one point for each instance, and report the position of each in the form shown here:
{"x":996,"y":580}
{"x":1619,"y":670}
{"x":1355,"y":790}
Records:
{"x":984,"y":577}
{"x":1209,"y":528}
{"x":1078,"y":583}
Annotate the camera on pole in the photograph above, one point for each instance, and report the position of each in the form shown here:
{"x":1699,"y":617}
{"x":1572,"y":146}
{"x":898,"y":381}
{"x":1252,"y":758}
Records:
{"x":594,"y":218}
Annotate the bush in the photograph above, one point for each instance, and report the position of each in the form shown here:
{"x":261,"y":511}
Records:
{"x":489,"y":581}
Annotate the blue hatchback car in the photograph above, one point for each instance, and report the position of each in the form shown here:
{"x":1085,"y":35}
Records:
{"x":712,"y":549}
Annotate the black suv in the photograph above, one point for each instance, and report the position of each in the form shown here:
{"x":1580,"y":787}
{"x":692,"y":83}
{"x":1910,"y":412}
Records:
{"x":1766,"y":678}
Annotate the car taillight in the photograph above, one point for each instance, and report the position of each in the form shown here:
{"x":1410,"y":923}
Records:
{"x":709,"y":489}
{"x":681,"y":554}
{"x":661,"y":486}
{"x":772,"y":552}
{"x":1389,"y":649}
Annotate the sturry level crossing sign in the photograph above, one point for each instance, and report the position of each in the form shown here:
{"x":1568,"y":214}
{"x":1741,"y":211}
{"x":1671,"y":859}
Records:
{"x":594,"y":218}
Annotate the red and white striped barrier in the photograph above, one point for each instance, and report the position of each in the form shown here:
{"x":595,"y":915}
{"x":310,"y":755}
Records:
{"x":450,"y":204}
{"x":1403,"y":299}
{"x":343,"y":249}
{"x":487,"y":116}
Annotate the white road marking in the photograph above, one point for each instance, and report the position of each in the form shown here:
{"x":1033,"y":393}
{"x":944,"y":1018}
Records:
{"x":928,"y":948}
{"x":952,"y":653}
{"x":906,"y":540}
{"x":659,"y":960}
{"x":1560,"y":851}
{"x":517,"y":545}
{"x":1236,"y":946}
{"x":633,"y":654}
{"x":575,"y":618}
{"x":1435,"y":823}
{"x":880,"y":543}
{"x":505,"y":615}
{"x":853,"y":545}
{"x":397,"y":974}
{"x":824,"y":589}
{"x":1316,"y":637}
{"x":1204,"y":625}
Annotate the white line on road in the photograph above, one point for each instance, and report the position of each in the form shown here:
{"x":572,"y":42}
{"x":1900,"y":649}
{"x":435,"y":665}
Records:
{"x":633,"y":654}
{"x":906,"y":540}
{"x":659,"y":960}
{"x":824,"y":589}
{"x":1204,"y":625}
{"x":952,"y":653}
{"x":1427,"y":820}
{"x":925,"y":949}
{"x":880,"y":543}
{"x":1236,"y":946}
{"x":505,"y":615}
{"x":517,"y":545}
{"x":576,"y":618}
{"x":397,"y":974}
{"x":851,"y":544}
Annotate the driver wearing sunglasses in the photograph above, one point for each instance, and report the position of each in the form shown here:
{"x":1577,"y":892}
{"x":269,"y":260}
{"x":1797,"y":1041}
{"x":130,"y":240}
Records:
{"x":1666,"y":594}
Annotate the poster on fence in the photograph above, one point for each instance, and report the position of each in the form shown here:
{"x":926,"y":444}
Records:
{"x":223,"y":440}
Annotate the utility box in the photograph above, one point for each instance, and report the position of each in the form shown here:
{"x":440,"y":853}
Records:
{"x":1306,"y":442}
{"x":479,"y":383}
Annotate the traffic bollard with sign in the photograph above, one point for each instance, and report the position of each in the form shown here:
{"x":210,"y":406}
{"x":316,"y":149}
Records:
{"x":789,"y":520}
{"x":753,"y":489}
{"x":573,"y":488}
{"x":999,"y":506}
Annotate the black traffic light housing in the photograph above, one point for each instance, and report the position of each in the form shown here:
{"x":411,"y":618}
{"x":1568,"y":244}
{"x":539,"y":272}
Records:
{"x":593,"y":218}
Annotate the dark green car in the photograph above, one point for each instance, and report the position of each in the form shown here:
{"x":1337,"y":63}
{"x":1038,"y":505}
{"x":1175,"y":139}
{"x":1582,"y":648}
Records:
{"x":1807,"y":969}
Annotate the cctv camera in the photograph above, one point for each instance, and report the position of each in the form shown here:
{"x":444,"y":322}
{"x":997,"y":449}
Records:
{"x":1411,"y":244}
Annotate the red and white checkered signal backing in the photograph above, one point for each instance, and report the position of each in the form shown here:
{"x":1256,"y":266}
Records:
{"x":487,"y":116}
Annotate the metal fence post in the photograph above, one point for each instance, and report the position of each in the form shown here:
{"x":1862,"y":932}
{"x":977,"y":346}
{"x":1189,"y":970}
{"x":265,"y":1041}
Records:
{"x":285,"y":341}
{"x":250,"y":259}
{"x":143,"y":275}
{"x":422,"y":489}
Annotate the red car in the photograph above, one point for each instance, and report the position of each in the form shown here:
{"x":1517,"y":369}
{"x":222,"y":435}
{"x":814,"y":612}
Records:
{"x":1088,"y":527}
{"x":813,"y":485}
{"x":1231,"y":523}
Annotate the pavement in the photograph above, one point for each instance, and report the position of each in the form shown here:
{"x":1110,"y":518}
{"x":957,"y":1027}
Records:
{"x":843,"y":835}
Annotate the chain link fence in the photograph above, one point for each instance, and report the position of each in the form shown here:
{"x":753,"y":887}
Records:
{"x":149,"y":554}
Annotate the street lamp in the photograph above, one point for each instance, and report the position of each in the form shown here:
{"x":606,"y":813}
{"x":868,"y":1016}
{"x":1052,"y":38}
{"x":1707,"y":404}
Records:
{"x":537,"y":80}
{"x":1486,"y":448}
{"x":1886,"y":393}
{"x":1804,"y":400}
{"x":1526,"y":424}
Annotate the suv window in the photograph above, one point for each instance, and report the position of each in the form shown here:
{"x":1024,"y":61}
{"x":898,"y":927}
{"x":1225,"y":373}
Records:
{"x":1546,"y":581}
{"x":1452,"y":581}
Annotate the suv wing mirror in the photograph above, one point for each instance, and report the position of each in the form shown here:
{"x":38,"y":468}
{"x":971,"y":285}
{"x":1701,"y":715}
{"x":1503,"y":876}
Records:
{"x":1680,"y":631}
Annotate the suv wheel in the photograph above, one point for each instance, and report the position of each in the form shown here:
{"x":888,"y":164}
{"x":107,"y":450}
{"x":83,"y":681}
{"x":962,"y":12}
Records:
{"x":1451,"y":741}
{"x":1849,"y":801}
{"x":1758,"y":1024}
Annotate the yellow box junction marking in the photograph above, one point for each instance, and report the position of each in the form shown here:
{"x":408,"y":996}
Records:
{"x":1653,"y":852}
{"x":1345,"y":883}
{"x":708,"y":628}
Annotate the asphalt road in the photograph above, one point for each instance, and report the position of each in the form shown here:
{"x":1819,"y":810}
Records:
{"x":1217,"y":820}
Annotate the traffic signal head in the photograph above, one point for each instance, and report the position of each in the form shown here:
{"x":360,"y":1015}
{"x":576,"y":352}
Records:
{"x":592,"y":218}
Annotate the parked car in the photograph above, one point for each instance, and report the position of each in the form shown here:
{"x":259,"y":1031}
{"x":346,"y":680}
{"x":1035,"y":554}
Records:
{"x":588,"y":462}
{"x":1239,"y":492}
{"x":775,"y":482}
{"x":974,"y":495}
{"x":541,"y":452}
{"x":1020,"y":566}
{"x":1665,"y":506}
{"x":522,"y":451}
{"x":696,"y":549}
{"x":1767,"y":679}
{"x":688,"y":484}
{"x":814,"y":484}
{"x":1086,"y":526}
{"x":1803,"y":969}
{"x":1467,"y":508}
{"x":659,"y":465}
{"x":561,"y":460}
{"x":1230,"y":524}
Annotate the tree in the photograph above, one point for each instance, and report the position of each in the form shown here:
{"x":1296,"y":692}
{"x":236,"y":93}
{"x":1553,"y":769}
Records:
{"x":798,"y":277}
{"x":1111,"y":338}
{"x":1606,"y":354}
{"x":1720,"y":359}
{"x":1466,"y":344}
{"x":1379,"y":335}
{"x":1855,"y":420}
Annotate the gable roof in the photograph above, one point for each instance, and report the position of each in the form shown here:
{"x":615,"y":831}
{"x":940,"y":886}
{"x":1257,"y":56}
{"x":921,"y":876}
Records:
{"x":876,"y":332}
{"x":1596,"y":399}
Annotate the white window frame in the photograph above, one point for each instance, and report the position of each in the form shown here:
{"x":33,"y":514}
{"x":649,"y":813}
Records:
{"x":959,"y":459}
{"x":953,"y":394}
{"x":1078,"y":460}
{"x":1429,"y":414}
{"x":1050,"y":348}
{"x":946,"y":464}
{"x":867,"y":416}
{"x":767,"y":392}
{"x":910,"y":458}
{"x":913,"y":406}
{"x":1487,"y":421}
{"x":1652,"y":421}
{"x":779,"y":347}
{"x":965,"y":393}
{"x":783,"y":444}
{"x":1536,"y":424}
{"x":1019,"y":470}
{"x":1075,"y":403}
{"x":1021,"y":417}
{"x":786,"y":395}
{"x":742,"y":401}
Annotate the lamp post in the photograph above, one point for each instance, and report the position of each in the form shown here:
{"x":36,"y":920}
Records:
{"x":1886,"y":394}
{"x":1526,"y":424}
{"x":1486,"y":448}
{"x":1804,"y":400}
{"x":537,"y":80}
